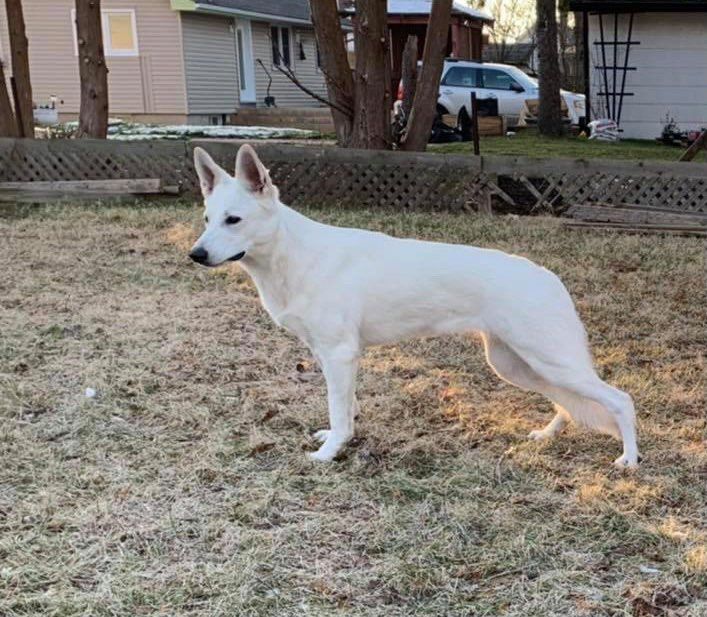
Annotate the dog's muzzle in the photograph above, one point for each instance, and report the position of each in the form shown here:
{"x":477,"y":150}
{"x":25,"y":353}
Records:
{"x":200,"y":255}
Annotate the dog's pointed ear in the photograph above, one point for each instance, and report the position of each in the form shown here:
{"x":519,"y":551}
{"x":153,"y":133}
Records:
{"x":251,"y":171}
{"x":210,"y":174}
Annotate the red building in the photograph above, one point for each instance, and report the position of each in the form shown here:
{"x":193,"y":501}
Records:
{"x":464,"y":38}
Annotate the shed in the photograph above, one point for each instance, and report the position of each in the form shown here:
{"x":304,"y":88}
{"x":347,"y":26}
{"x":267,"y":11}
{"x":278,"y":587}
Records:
{"x":646,"y":64}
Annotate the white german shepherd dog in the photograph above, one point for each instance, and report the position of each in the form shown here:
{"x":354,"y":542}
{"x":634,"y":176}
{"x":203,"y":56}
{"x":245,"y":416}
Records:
{"x":341,"y":290}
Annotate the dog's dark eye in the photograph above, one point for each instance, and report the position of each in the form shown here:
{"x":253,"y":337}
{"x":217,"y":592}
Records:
{"x":232,"y":220}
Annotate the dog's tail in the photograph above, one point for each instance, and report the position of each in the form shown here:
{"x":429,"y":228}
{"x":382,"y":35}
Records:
{"x":589,"y":414}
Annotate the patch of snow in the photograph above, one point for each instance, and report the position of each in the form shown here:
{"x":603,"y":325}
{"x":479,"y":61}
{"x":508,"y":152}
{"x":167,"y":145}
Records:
{"x":138,"y":132}
{"x":135,"y":131}
{"x":74,"y":124}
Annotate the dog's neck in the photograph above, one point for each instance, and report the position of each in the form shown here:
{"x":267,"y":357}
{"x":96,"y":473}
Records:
{"x":277,"y":267}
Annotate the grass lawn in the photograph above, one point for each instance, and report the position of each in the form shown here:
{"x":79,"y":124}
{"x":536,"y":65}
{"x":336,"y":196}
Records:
{"x":529,"y":143}
{"x":182,"y":487}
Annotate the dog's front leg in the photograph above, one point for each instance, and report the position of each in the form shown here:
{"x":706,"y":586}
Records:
{"x":339,"y":366}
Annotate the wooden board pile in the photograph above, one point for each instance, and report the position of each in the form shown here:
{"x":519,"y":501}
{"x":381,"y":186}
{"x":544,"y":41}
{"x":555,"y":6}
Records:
{"x":637,"y":219}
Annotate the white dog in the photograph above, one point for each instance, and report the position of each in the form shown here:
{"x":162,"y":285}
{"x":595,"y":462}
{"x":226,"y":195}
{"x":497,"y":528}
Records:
{"x":341,"y":290}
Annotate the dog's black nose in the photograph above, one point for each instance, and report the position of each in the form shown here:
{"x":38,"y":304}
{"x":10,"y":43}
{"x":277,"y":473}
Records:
{"x":199,"y":255}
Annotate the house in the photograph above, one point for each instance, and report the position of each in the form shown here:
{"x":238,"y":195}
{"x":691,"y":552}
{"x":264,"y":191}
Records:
{"x":647,"y":63}
{"x":177,"y":61}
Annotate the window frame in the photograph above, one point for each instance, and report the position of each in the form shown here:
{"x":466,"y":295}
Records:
{"x":280,"y":48}
{"x":105,"y":30}
{"x":469,"y":68}
{"x":481,"y":81}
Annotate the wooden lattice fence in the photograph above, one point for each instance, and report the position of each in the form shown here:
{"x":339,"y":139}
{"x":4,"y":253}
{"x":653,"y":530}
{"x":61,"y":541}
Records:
{"x":316,"y":174}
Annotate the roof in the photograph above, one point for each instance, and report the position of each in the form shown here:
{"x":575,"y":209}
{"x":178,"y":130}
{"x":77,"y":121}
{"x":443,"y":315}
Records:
{"x":286,"y":10}
{"x":423,"y":7}
{"x":639,"y":6}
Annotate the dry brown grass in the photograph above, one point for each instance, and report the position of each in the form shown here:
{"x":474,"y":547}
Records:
{"x":182,"y":488}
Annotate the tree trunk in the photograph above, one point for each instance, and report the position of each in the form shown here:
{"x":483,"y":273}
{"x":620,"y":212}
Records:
{"x":334,"y":65}
{"x":8,"y":126}
{"x":20,"y":67}
{"x":93,"y":114}
{"x":409,"y":73}
{"x":549,"y":113}
{"x":579,"y":51}
{"x":372,"y":98}
{"x":563,"y":38}
{"x":424,"y":105}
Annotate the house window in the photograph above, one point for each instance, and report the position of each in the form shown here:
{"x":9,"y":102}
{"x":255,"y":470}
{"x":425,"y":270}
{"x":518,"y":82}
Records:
{"x":119,"y":32}
{"x":280,"y":41}
{"x":119,"y":36}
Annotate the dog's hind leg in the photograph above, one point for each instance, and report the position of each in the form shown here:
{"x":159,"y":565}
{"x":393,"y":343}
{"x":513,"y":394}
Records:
{"x":339,"y":366}
{"x":578,"y":390}
{"x":554,"y":427}
{"x":603,"y":400}
{"x":510,"y":367}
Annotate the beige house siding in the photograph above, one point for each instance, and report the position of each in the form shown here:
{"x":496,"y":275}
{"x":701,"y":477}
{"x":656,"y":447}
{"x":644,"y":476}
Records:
{"x":150,"y":83}
{"x":186,"y":65}
{"x":285,"y":92}
{"x":210,"y":64}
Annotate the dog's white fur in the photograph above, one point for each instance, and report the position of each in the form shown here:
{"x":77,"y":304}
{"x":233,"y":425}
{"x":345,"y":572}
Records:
{"x":341,"y":290}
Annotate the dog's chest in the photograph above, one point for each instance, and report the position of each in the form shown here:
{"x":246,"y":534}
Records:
{"x":278,"y":303}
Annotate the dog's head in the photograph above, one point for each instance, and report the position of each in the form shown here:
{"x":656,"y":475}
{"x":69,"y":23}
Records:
{"x":240,"y":213}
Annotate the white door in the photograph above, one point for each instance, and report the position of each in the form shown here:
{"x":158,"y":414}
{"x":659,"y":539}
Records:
{"x":246,"y":68}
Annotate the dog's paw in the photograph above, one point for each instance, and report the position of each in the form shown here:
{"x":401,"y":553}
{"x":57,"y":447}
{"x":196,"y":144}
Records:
{"x":322,"y":435}
{"x":321,"y":457}
{"x":540,"y":435}
{"x":626,"y":462}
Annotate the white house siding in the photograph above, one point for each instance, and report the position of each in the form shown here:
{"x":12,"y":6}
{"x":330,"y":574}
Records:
{"x":151,"y":83}
{"x":671,"y":75}
{"x":210,"y":64}
{"x":285,"y":92}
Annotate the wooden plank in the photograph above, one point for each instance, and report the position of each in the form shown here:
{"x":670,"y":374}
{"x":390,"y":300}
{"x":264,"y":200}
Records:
{"x":633,"y":228}
{"x":142,"y":186}
{"x":633,"y":206}
{"x":615,"y":214}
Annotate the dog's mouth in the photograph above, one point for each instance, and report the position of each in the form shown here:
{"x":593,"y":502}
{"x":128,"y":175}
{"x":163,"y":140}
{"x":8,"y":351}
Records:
{"x":237,"y":256}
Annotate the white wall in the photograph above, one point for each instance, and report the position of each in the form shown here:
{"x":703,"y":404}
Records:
{"x":672,"y":71}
